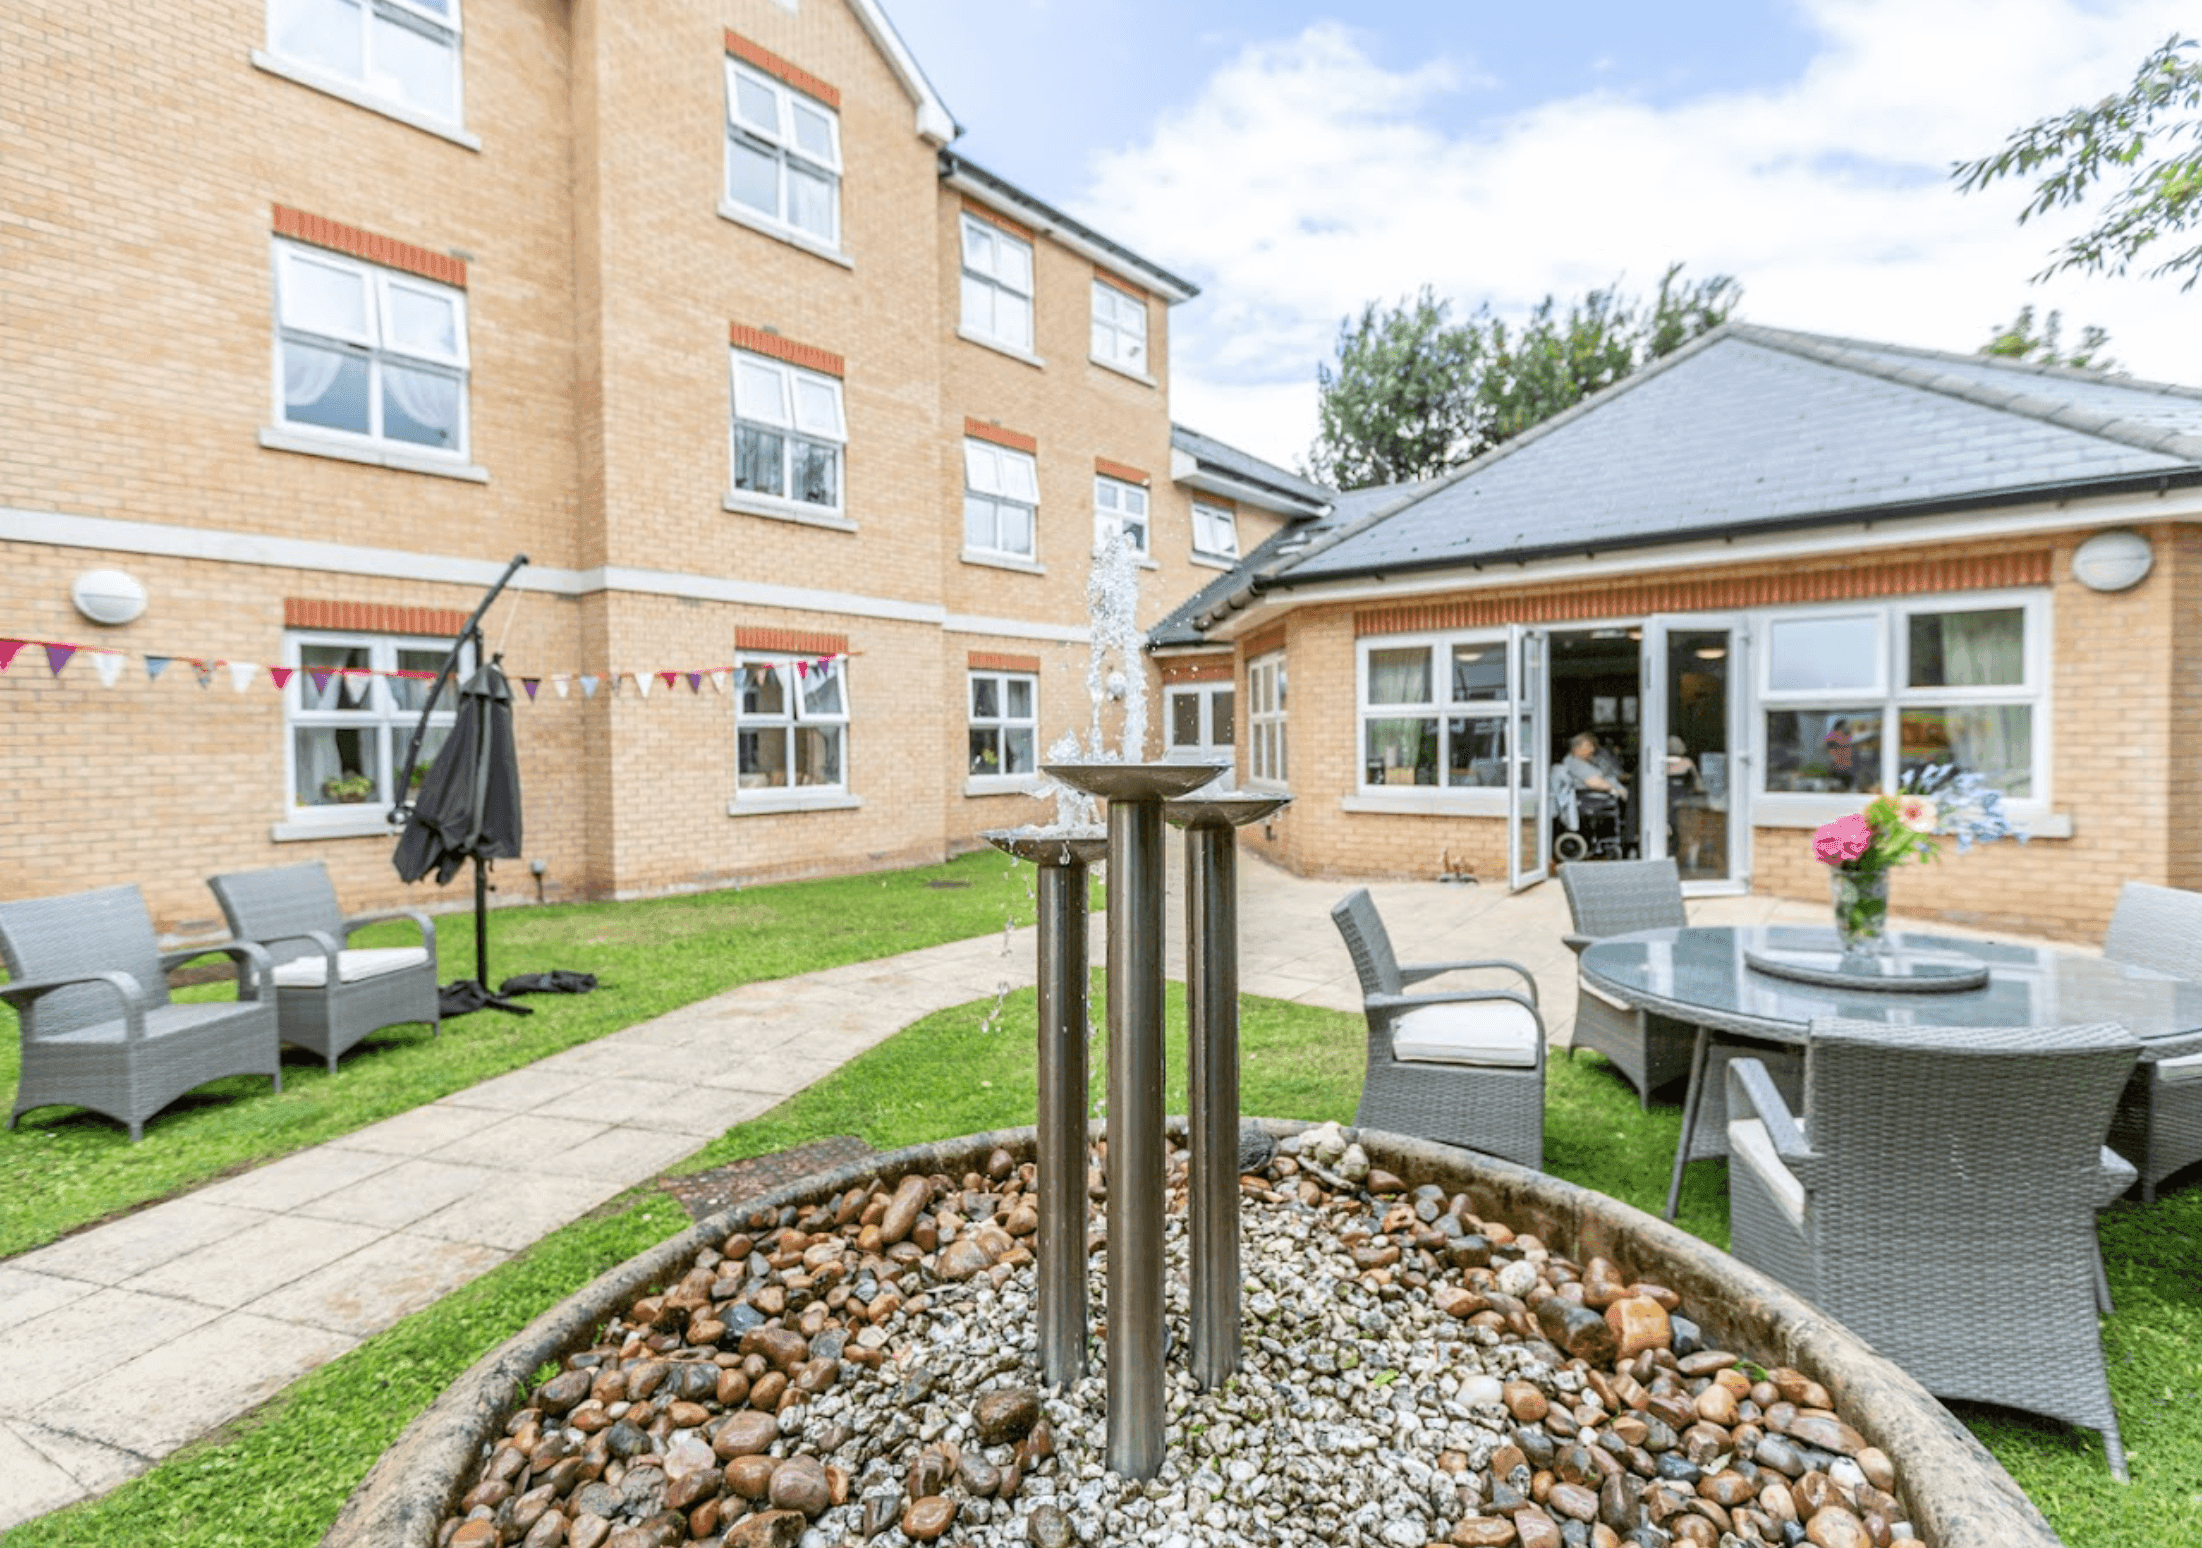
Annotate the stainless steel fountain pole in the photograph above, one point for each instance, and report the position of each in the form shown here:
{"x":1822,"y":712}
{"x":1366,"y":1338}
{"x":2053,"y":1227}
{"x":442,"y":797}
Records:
{"x":1063,"y":859}
{"x":1212,"y":1085}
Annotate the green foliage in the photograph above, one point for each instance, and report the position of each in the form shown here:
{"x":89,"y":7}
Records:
{"x":1416,"y":394}
{"x":2076,"y":149}
{"x":2019,"y":341}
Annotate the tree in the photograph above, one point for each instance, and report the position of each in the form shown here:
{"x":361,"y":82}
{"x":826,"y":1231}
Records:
{"x":2020,"y":342}
{"x":2086,"y":145}
{"x":1416,"y":394}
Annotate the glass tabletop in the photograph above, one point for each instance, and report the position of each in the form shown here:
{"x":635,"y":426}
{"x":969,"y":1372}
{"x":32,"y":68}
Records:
{"x":1702,"y":968}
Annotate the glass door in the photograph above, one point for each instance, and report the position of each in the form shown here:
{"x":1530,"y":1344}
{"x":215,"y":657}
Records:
{"x":1692,"y":767}
{"x":1200,"y":725}
{"x":1528,"y":827}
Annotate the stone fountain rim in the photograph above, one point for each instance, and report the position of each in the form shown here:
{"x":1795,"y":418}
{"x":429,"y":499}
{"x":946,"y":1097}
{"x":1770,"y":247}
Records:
{"x":1971,"y":1502}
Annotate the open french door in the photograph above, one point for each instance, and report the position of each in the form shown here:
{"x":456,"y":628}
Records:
{"x":1695,"y":764}
{"x":1528,"y":819}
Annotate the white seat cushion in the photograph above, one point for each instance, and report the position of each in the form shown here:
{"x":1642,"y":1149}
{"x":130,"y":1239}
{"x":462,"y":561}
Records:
{"x":2180,"y":1071}
{"x":1750,"y":1144}
{"x":1488,"y":1032}
{"x":351,"y":966}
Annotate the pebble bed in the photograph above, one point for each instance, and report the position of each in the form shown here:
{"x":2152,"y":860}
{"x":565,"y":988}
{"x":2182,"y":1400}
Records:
{"x":864,"y":1372}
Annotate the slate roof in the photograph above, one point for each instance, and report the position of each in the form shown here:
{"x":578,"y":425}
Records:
{"x":1216,"y":456}
{"x":1760,"y":428}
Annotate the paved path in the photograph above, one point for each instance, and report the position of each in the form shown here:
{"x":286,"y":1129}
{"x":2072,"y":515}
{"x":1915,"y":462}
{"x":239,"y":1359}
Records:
{"x":232,"y":1292}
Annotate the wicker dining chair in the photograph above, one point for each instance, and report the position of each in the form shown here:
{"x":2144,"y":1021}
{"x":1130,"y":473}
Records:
{"x":1932,"y":1162}
{"x":2159,"y":1122}
{"x":1616,"y":897}
{"x":1460,"y":1066}
{"x":329,"y":995}
{"x":90,"y":985}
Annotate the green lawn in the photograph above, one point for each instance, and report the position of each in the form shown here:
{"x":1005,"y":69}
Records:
{"x":280,"y":1476}
{"x":63,"y":1168}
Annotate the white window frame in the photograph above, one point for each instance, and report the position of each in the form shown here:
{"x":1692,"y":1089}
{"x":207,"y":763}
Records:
{"x":420,"y":19}
{"x":793,"y":422}
{"x":782,"y":144}
{"x":372,"y":344}
{"x":799,"y":716}
{"x":976,"y":782}
{"x":1119,"y":328}
{"x":1268,"y":761}
{"x":1441,"y":708}
{"x":987,"y":277}
{"x":1891,"y":694}
{"x":1113,"y":502}
{"x":1221,"y":517}
{"x":390,"y":722}
{"x":1205,"y":695}
{"x":998,"y":476}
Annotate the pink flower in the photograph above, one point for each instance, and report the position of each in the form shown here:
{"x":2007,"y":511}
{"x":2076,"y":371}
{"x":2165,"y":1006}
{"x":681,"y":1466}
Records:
{"x":1843,"y":840}
{"x":1917,"y":812}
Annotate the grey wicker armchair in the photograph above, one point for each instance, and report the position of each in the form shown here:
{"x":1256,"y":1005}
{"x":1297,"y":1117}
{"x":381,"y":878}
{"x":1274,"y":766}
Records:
{"x":2159,"y":1122}
{"x":1462,"y":1066}
{"x":1615,"y":897}
{"x":1933,"y":1162}
{"x":328,"y":995}
{"x":90,"y":985}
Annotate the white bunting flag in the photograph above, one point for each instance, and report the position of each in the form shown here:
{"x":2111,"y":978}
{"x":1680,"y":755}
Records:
{"x":588,"y":686}
{"x":642,"y":682}
{"x":109,"y":666}
{"x":241,"y":674}
{"x":559,"y":680}
{"x":718,"y":681}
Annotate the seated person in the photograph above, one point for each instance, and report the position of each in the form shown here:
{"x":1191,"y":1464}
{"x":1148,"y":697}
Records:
{"x":1588,"y":767}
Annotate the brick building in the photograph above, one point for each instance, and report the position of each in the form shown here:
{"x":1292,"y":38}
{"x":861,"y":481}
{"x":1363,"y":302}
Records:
{"x":1769,"y":573}
{"x":314,"y":313}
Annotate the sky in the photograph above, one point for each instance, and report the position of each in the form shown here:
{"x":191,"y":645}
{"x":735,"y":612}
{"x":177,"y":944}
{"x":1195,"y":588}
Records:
{"x":1299,"y":160}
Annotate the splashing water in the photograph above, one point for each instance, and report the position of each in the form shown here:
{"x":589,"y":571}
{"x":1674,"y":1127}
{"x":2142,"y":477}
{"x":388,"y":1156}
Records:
{"x":1112,"y":604}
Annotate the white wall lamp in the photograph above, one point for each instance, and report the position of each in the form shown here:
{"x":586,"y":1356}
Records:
{"x":108,"y":597}
{"x":2113,"y":561}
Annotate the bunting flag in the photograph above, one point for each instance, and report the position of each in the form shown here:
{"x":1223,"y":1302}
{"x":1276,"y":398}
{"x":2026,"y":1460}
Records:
{"x":802,"y":671}
{"x":558,"y":684}
{"x":588,"y":687}
{"x":241,"y":674}
{"x":718,"y":680}
{"x":282,"y":675}
{"x":531,"y":684}
{"x":320,"y":680}
{"x":8,"y":648}
{"x":155,"y":666}
{"x":108,"y":664}
{"x":57,"y":657}
{"x":669,"y":678}
{"x":642,"y":683}
{"x":203,"y":671}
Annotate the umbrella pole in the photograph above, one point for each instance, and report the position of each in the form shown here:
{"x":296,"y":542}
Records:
{"x":481,"y":922}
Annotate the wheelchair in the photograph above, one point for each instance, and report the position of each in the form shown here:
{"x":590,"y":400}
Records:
{"x":1601,"y":830}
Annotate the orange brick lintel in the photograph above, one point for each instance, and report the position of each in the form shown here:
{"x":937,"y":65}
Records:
{"x":1766,"y":588}
{"x":1015,"y":440}
{"x":1221,"y":502}
{"x":781,"y":70}
{"x":371,"y":617}
{"x":1207,"y":670}
{"x":1118,"y":282}
{"x":1002,"y":661}
{"x":809,"y":356}
{"x":1263,"y":643}
{"x":790,"y":642}
{"x":994,"y":217}
{"x":1122,"y":470}
{"x":320,"y":231}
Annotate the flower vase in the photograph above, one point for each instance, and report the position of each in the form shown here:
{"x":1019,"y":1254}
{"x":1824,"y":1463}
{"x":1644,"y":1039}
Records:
{"x":1861,"y":910}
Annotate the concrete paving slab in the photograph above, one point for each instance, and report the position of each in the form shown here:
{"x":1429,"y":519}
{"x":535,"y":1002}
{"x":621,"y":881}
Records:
{"x":783,"y":1074}
{"x":85,"y":1336}
{"x":624,"y":1155}
{"x":519,"y":1092}
{"x":522,"y":1210}
{"x":96,"y":1467}
{"x":296,"y":1179}
{"x":521,"y":1140}
{"x":246,"y":1266}
{"x":24,"y":1295}
{"x":179,"y":1391}
{"x":706,"y":1112}
{"x":411,"y":1188}
{"x":125,"y":1248}
{"x":31,"y":1483}
{"x":388,"y":1279}
{"x":614,"y":1099}
{"x":415,"y":1133}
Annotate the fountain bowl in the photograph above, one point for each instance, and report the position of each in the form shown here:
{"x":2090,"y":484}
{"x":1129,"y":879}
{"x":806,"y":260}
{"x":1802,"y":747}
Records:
{"x":1059,"y":846}
{"x":1235,"y":810}
{"x":1957,"y":1494}
{"x":1132,"y":781}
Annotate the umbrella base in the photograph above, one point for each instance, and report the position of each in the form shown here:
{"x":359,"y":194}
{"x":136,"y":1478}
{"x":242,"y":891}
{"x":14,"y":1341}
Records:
{"x":467,"y":995}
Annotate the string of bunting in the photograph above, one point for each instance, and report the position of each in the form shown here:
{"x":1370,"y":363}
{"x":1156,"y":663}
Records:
{"x":109,"y":665}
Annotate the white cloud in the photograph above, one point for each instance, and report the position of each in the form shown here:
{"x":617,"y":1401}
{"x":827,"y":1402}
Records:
{"x":1306,"y":180}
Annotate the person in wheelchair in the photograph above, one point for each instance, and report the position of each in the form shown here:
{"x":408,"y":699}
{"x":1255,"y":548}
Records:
{"x":1590,"y":806}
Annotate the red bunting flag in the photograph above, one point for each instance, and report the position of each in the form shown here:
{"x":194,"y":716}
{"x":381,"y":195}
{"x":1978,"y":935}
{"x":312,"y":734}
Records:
{"x":669,"y":678}
{"x":8,"y":648}
{"x":282,"y":675}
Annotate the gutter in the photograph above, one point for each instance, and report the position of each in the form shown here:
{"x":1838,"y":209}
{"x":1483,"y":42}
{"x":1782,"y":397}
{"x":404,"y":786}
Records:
{"x":967,"y":177}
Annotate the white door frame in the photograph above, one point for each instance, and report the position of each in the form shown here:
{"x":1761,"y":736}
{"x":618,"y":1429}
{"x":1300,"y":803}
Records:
{"x":1529,"y":696}
{"x":1652,"y":720}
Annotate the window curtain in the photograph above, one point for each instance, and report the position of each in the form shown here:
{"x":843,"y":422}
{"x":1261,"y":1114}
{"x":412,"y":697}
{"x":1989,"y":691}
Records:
{"x":427,"y":400}
{"x":1399,"y":677}
{"x":1981,"y":649}
{"x":308,"y":374}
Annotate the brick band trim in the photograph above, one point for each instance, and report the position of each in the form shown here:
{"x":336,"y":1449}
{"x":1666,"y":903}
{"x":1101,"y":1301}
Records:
{"x":808,"y":356}
{"x":371,"y":617}
{"x":994,"y":217}
{"x":1220,"y":502}
{"x":1123,"y":470}
{"x":791,"y":642}
{"x":1839,"y":583}
{"x":1015,"y":440}
{"x":1118,"y":282}
{"x":1263,"y":643}
{"x":1210,"y":671}
{"x":781,"y":70}
{"x":1001,"y":661}
{"x":319,"y":231}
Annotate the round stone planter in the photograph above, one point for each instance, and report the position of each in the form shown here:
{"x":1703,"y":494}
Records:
{"x":1958,"y":1495}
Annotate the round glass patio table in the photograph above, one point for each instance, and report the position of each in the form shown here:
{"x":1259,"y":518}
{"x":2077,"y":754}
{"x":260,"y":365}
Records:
{"x":1698,"y":975}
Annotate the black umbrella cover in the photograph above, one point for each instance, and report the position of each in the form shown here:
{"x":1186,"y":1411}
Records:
{"x":470,"y":801}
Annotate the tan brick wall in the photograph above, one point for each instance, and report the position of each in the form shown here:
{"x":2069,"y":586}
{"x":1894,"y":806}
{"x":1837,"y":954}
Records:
{"x":2124,"y":761}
